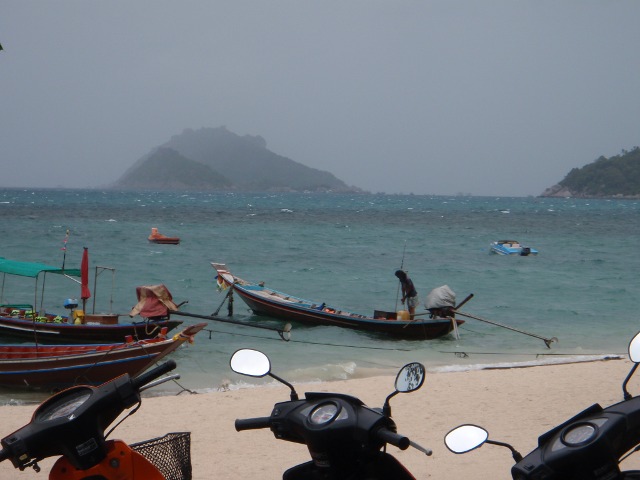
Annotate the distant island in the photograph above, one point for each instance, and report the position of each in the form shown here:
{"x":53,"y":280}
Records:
{"x":614,"y":177}
{"x":215,"y":159}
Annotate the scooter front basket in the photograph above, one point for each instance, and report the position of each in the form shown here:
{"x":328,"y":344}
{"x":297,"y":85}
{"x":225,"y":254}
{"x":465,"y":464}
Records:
{"x":171,"y":454}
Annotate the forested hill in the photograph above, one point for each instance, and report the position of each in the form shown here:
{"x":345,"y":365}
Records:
{"x":614,"y":177}
{"x":217,"y":159}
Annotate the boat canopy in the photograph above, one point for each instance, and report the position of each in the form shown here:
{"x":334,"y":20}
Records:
{"x":153,"y":301}
{"x":31,"y":269}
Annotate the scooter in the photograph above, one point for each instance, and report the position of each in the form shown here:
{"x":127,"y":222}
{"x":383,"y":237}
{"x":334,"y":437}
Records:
{"x":71,"y":425}
{"x":589,"y":446}
{"x":346,"y":439}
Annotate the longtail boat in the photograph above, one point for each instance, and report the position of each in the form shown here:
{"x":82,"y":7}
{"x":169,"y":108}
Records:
{"x":61,"y":366}
{"x":157,"y":237}
{"x":29,"y":320}
{"x":266,"y":301}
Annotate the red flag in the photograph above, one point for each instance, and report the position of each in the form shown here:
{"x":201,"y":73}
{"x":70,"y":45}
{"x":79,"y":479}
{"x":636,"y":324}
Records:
{"x":84,"y":275}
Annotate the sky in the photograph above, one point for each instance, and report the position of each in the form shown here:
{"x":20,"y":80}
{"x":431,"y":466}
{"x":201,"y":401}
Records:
{"x":435,"y":97}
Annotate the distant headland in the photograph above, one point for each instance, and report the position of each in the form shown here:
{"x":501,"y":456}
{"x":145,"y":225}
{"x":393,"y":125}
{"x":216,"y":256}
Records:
{"x":215,"y":159}
{"x":614,"y":177}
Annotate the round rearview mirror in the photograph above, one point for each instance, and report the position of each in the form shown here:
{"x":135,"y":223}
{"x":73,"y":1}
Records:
{"x":634,"y":349}
{"x":250,"y":362}
{"x":465,"y":438}
{"x":410,"y":377}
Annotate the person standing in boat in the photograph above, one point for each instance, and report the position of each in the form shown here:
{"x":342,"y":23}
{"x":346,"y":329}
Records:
{"x":409,"y":292}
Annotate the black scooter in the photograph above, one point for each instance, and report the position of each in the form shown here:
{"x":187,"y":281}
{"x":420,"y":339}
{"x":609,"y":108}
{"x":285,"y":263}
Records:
{"x":589,"y":446}
{"x":346,"y":439}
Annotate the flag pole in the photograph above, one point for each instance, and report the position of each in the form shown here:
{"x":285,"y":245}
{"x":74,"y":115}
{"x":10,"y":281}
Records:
{"x":64,"y":249}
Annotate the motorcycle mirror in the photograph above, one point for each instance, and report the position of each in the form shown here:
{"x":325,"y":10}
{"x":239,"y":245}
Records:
{"x":410,"y":377}
{"x":634,"y":355}
{"x":634,"y":349}
{"x":250,"y":362}
{"x":465,"y":438}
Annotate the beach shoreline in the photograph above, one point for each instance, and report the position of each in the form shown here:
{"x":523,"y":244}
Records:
{"x":515,"y":405}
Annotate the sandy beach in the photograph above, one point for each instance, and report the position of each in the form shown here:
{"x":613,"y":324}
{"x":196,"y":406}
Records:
{"x":515,"y":405}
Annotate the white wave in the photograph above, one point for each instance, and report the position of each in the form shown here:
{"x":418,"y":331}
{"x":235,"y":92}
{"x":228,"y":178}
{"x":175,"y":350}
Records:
{"x":529,"y":363}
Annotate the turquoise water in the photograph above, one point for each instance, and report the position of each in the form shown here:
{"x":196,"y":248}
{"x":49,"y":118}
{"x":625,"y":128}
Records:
{"x":343,"y":249}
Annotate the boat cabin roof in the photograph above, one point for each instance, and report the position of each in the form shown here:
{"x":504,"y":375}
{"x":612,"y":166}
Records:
{"x":33,"y":269}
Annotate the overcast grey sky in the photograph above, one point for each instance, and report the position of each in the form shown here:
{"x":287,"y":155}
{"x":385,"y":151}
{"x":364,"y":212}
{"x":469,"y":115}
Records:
{"x":483,"y":97}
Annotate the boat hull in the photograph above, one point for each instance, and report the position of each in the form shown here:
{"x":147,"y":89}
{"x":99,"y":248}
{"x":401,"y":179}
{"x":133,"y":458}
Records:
{"x":157,"y":237}
{"x":61,"y":366}
{"x":263,"y":301}
{"x":165,"y":240}
{"x":83,"y":333}
{"x":511,"y":247}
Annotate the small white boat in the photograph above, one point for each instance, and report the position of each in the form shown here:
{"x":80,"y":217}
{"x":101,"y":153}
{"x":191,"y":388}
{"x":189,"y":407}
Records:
{"x":511,"y":247}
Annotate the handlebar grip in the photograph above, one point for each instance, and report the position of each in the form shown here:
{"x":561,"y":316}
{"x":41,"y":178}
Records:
{"x":152,"y":374}
{"x":4,"y":454}
{"x":252,"y":423}
{"x":394,"y":439}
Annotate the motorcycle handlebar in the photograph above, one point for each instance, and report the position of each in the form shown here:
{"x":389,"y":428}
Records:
{"x":143,"y":379}
{"x":394,"y":439}
{"x":251,"y":423}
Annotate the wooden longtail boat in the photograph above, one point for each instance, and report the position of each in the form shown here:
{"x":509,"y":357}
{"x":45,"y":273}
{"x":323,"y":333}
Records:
{"x":23,"y":320}
{"x":61,"y":366}
{"x":20,"y":323}
{"x":265,"y":301}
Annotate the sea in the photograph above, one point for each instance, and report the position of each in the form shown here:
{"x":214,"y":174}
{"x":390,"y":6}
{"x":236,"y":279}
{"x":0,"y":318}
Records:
{"x":342,"y":249}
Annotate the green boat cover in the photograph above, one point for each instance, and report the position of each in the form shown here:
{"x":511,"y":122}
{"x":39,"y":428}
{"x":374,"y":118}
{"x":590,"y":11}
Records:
{"x":31,"y":269}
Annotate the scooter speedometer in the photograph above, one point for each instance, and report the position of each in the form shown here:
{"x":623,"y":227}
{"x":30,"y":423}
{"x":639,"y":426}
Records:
{"x":324,"y":413}
{"x":63,"y":405}
{"x":580,"y":434}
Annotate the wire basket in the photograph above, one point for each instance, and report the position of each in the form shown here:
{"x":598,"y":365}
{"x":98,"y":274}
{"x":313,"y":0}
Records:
{"x":171,"y":454}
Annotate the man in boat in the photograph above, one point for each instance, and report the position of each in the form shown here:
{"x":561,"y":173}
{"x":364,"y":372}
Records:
{"x":409,"y":292}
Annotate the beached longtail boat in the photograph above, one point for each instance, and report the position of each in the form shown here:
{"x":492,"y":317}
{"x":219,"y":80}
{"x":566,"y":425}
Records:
{"x":60,"y":366}
{"x":265,"y":301}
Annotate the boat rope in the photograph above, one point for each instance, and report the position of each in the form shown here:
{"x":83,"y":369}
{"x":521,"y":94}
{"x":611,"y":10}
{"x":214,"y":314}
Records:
{"x":229,"y":293}
{"x":182,"y":387}
{"x":466,"y":354}
{"x":547,"y":341}
{"x":306,"y":342}
{"x":147,"y":324}
{"x":284,"y":333}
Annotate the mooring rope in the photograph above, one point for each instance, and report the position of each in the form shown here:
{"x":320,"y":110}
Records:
{"x":307,"y":342}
